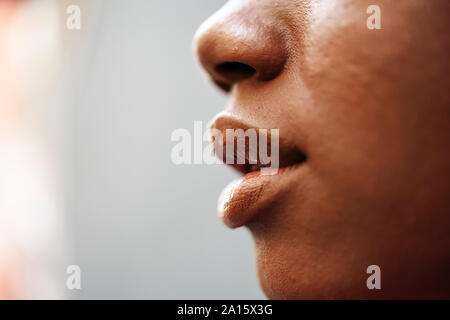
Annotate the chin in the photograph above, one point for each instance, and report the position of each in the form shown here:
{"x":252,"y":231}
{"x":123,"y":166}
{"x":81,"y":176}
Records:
{"x":289,"y":269}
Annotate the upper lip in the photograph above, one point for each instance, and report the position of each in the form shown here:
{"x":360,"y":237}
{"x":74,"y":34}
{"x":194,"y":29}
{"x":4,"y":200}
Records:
{"x":289,"y":153}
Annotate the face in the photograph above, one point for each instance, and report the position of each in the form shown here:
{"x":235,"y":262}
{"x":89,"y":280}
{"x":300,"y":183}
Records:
{"x":364,"y":123}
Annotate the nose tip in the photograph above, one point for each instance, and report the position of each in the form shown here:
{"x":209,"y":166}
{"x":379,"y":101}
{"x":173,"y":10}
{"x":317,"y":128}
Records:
{"x":238,"y":43}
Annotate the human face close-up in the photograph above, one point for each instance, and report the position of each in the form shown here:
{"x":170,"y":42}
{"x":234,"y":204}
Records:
{"x":364,"y":121}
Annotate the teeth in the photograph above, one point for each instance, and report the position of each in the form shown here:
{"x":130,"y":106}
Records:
{"x":257,"y":167}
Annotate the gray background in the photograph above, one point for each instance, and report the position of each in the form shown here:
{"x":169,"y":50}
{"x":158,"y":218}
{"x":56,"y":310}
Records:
{"x":140,"y":226}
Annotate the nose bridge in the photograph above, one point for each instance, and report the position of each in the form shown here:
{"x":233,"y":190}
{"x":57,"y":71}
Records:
{"x":240,"y":41}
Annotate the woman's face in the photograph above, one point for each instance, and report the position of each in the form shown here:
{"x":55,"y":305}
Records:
{"x":369,"y":110}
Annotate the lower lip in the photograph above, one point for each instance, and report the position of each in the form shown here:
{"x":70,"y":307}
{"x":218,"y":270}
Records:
{"x":253,"y":194}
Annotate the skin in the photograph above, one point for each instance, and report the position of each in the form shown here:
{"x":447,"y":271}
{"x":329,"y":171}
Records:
{"x":370,"y":109}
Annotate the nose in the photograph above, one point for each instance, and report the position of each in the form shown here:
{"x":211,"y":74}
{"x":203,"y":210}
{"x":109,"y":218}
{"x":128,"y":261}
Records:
{"x":241,"y":41}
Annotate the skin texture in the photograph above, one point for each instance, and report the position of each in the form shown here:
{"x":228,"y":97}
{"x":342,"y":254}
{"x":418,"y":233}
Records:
{"x":370,"y":109}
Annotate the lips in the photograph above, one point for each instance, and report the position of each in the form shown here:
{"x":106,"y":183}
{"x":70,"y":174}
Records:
{"x":256,"y":192}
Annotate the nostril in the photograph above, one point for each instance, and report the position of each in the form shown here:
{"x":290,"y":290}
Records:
{"x":242,"y":42}
{"x":232,"y":72}
{"x":236,"y":70}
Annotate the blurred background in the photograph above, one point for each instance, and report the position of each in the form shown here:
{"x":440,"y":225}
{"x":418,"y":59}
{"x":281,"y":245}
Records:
{"x":86,"y":177}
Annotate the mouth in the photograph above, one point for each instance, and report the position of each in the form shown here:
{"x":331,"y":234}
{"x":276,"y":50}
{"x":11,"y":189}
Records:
{"x":262,"y":184}
{"x":288,"y":160}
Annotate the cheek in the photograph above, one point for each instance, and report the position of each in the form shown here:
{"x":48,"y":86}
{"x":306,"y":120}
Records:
{"x":366,"y":111}
{"x":362,"y":199}
{"x":375,"y":188}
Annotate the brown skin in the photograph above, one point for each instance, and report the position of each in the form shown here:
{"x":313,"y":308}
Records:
{"x":371,"y":111}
